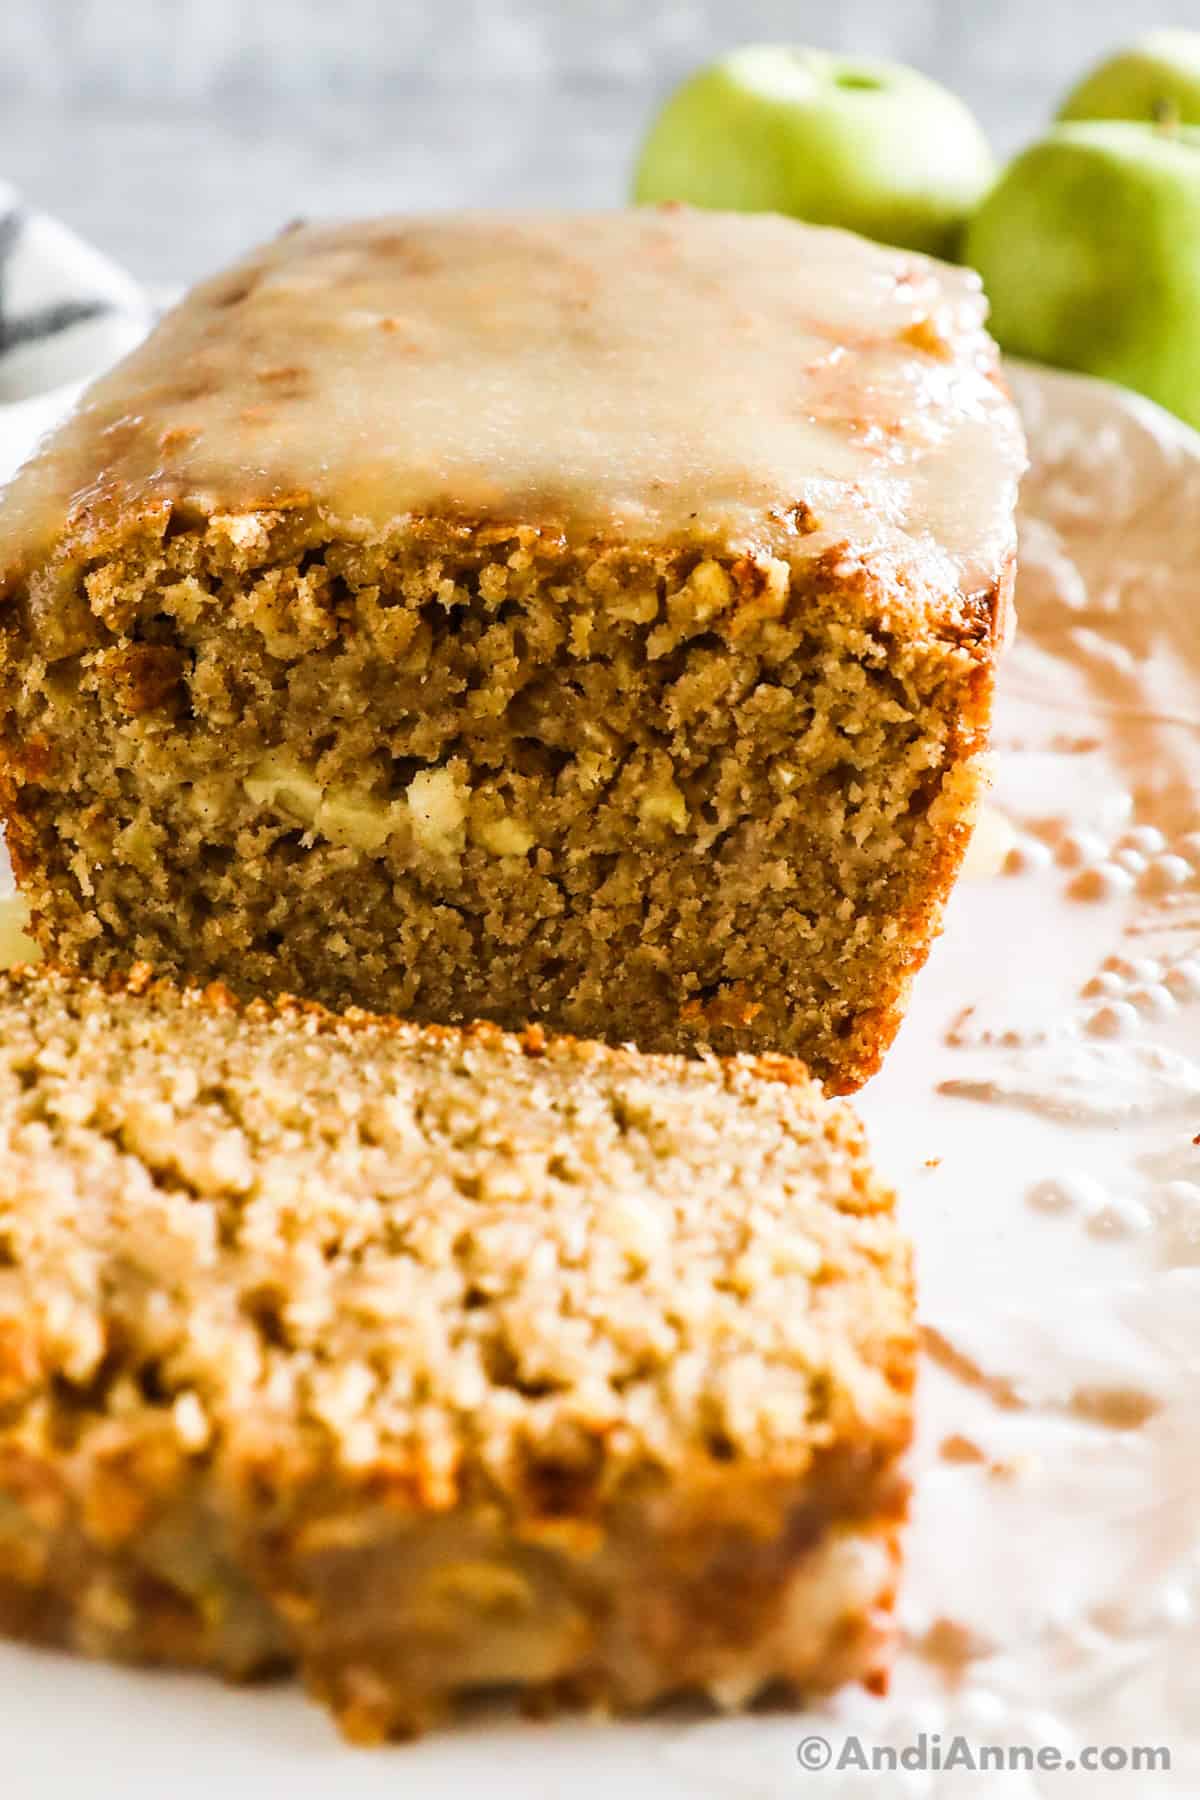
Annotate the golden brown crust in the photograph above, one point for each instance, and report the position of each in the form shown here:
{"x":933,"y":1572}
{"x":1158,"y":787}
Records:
{"x":533,"y":1042}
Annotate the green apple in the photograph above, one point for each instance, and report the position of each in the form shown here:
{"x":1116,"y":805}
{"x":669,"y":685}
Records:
{"x":1156,"y":79}
{"x":1089,"y":248}
{"x":836,"y":140}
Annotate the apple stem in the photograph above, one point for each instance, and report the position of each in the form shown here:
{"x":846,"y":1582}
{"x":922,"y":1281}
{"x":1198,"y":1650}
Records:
{"x":1165,"y":114}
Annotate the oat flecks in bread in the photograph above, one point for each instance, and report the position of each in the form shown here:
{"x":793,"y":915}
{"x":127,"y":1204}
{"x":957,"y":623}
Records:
{"x":585,"y":619}
{"x":427,"y":1359}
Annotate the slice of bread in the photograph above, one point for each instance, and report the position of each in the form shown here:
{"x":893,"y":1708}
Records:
{"x":427,"y":1359}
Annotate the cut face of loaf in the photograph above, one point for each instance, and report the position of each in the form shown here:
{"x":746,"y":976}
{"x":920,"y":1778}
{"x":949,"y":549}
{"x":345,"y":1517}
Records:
{"x":429,"y":1360}
{"x":589,"y":621}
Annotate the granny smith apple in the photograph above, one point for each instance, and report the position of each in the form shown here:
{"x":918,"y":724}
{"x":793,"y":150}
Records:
{"x":1089,"y":248}
{"x":1156,"y":79}
{"x":837,"y":140}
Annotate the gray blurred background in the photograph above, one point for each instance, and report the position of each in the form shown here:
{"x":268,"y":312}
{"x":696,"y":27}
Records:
{"x":174,"y":132}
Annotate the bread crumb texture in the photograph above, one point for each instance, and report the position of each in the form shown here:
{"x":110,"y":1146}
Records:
{"x":398,"y":1353}
{"x":659,"y":795}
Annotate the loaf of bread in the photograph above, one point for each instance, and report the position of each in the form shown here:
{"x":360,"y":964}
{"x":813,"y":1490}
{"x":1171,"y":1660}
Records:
{"x":586,"y":620}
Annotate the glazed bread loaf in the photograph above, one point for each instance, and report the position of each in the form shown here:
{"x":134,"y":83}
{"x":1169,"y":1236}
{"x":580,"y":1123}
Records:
{"x":586,"y":620}
{"x":428,"y":1359}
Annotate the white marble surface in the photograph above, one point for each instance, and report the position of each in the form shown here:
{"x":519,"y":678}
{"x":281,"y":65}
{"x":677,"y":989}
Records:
{"x":174,"y":132}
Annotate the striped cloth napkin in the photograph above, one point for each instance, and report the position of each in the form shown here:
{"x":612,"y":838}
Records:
{"x":66,"y":313}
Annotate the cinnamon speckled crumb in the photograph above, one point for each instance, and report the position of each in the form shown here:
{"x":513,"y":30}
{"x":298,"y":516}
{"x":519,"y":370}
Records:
{"x":457,"y":775}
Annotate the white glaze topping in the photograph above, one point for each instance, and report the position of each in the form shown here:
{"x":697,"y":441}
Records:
{"x":648,"y":374}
